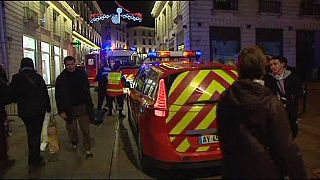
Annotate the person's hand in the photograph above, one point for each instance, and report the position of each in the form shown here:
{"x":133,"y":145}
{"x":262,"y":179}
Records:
{"x":63,"y":115}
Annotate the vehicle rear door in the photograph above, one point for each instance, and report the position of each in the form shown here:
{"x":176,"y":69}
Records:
{"x":192,"y":99}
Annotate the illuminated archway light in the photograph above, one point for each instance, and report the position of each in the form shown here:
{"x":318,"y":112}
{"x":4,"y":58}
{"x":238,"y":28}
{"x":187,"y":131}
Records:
{"x":116,"y":18}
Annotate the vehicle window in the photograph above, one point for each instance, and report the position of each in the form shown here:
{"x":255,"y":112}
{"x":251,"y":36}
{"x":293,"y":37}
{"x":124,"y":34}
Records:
{"x":140,"y":80}
{"x":150,"y":84}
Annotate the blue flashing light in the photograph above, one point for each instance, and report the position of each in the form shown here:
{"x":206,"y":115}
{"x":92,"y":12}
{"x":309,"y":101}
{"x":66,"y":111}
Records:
{"x":157,"y":63}
{"x":133,"y":48}
{"x":107,"y":48}
{"x":199,"y":62}
{"x":198,"y":53}
{"x":152,"y":54}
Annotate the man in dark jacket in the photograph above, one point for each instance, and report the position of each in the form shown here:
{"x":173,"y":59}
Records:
{"x":287,"y":86}
{"x":74,"y":102}
{"x":5,"y":98}
{"x":30,"y":92}
{"x":102,"y":78}
{"x":253,"y":127}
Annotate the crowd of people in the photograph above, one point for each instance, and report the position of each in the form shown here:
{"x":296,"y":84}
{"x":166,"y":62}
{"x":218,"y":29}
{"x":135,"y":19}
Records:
{"x":257,"y":115}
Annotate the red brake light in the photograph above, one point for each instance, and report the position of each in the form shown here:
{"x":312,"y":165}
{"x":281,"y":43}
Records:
{"x":161,"y":103}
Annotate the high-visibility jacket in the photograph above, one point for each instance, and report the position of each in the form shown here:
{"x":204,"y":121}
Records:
{"x":115,"y":84}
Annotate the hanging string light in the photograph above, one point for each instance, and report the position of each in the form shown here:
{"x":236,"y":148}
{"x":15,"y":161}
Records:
{"x":116,"y":18}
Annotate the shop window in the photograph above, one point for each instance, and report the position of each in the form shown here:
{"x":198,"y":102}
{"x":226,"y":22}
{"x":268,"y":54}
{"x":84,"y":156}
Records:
{"x":224,"y":43}
{"x":45,"y":59}
{"x":57,"y":60}
{"x":29,"y":48}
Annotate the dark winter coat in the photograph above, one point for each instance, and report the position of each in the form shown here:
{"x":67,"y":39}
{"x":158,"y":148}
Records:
{"x":72,"y":88}
{"x":255,"y":135}
{"x":5,"y":97}
{"x":102,"y":78}
{"x":293,"y":91}
{"x":30,"y":92}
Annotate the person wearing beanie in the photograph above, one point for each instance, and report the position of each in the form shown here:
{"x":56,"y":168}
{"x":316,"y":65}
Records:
{"x":30,"y":92}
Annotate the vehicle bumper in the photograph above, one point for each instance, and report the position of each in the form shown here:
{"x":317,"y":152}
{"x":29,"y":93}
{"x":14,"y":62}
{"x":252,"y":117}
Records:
{"x":181,"y":165}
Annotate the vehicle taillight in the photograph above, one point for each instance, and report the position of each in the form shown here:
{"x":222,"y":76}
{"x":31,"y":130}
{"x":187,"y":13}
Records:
{"x":161,"y":103}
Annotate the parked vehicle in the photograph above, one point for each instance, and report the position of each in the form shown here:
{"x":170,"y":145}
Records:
{"x":172,"y":110}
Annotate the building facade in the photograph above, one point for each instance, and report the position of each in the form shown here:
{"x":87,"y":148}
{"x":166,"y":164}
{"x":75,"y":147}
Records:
{"x":114,"y":35}
{"x":46,"y":31}
{"x":221,"y":28}
{"x":142,"y":39}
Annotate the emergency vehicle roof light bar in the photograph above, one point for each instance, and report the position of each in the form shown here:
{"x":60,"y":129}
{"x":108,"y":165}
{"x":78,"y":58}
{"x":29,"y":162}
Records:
{"x":173,"y":54}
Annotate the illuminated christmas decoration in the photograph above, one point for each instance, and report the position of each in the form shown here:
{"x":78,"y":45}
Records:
{"x":116,"y":18}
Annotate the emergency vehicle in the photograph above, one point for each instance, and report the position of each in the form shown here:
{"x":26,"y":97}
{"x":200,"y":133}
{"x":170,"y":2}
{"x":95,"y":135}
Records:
{"x":92,"y":62}
{"x":129,"y":62}
{"x":128,"y":59}
{"x":172,"y":110}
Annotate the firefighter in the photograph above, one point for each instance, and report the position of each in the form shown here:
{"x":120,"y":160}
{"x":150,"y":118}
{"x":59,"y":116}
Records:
{"x":115,"y":87}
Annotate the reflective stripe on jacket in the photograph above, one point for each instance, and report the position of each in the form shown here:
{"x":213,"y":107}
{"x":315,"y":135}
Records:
{"x":115,"y":84}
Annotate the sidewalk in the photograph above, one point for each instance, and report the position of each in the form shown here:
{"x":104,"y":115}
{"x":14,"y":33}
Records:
{"x":109,"y":160}
{"x":309,"y":135}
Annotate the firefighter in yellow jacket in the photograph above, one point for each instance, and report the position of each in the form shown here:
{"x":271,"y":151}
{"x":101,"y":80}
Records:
{"x":115,"y":87}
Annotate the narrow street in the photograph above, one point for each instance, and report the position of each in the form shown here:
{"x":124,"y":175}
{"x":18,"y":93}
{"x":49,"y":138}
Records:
{"x":115,"y":154}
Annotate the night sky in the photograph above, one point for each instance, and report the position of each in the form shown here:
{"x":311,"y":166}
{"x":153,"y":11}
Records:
{"x":144,"y":7}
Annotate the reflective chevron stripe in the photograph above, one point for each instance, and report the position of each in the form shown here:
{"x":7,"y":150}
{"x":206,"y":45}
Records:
{"x":194,"y":86}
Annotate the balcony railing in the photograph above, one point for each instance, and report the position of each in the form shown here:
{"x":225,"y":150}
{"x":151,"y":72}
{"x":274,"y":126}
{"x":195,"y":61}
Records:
{"x":30,"y":15}
{"x":269,"y":6}
{"x":310,"y":8}
{"x":225,"y":4}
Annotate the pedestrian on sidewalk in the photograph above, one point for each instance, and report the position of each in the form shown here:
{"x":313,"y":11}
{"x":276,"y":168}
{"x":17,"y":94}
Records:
{"x":287,"y":85}
{"x":253,"y":127}
{"x":5,"y":98}
{"x":74,"y":102}
{"x":30,"y":92}
{"x":102,"y":78}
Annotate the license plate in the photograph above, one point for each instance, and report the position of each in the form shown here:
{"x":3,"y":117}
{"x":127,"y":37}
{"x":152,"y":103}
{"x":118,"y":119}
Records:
{"x":207,"y":139}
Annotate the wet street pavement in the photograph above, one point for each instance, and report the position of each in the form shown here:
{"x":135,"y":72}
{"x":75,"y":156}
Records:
{"x":113,"y":160}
